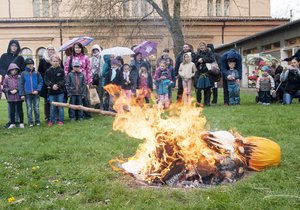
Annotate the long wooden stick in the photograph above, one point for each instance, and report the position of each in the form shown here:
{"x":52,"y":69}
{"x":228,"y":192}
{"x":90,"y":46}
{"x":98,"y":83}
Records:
{"x":85,"y":109}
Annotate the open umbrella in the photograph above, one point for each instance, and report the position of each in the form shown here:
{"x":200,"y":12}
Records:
{"x":117,"y":51}
{"x":146,"y":48}
{"x":84,"y":40}
{"x":254,"y":59}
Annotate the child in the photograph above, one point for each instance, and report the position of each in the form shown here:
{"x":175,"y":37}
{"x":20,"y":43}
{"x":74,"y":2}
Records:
{"x":265,"y":83}
{"x":145,"y":83}
{"x":163,"y":90}
{"x":10,"y":87}
{"x":187,"y":70}
{"x":76,"y":88}
{"x":31,"y":83}
{"x":55,"y":81}
{"x":232,"y":77}
{"x":126,"y":84}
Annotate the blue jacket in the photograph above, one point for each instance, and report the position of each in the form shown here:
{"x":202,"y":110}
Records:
{"x":105,"y":69}
{"x":231,"y":54}
{"x":30,"y":81}
{"x":163,"y":86}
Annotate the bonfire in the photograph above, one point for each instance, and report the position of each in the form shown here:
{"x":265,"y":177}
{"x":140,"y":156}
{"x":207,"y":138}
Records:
{"x":180,"y":150}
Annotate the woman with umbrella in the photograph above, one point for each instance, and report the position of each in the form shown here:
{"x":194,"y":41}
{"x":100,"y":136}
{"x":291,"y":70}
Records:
{"x":85,"y":67}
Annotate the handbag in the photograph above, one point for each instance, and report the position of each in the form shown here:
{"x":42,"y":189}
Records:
{"x":93,"y":96}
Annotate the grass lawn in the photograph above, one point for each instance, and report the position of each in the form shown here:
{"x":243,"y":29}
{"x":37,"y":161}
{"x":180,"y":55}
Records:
{"x":67,"y":167}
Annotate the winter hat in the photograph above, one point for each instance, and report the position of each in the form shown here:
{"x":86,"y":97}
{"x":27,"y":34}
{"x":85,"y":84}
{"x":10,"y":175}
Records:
{"x":29,"y":61}
{"x":265,"y":68}
{"x":115,"y":62}
{"x":76,"y":64}
{"x":164,"y":73}
{"x":13,"y":66}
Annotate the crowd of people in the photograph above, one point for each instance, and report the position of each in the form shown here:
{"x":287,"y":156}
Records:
{"x":71,"y":81}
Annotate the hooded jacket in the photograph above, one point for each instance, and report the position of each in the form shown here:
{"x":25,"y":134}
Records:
{"x":55,"y":76}
{"x":105,"y":68}
{"x":10,"y":83}
{"x":76,"y":84}
{"x":231,"y":54}
{"x":179,"y":59}
{"x":187,"y":70}
{"x":9,"y":57}
{"x":96,"y":62}
{"x":30,"y":81}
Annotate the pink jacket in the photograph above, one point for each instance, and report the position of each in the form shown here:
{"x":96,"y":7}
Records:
{"x":85,"y":66}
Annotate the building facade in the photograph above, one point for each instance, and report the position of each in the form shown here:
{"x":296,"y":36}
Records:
{"x":38,"y":23}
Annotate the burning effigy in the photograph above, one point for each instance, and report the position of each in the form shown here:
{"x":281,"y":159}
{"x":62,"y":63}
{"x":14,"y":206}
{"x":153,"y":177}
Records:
{"x":180,"y":151}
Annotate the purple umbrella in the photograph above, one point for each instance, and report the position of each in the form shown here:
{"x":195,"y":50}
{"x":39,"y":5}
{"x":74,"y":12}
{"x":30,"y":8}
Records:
{"x":146,"y":48}
{"x":84,"y":40}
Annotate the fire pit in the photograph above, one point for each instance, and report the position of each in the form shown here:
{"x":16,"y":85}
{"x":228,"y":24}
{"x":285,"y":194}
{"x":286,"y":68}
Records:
{"x":180,"y":151}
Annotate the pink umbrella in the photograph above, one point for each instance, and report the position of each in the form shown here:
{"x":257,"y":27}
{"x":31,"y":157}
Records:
{"x":84,"y":40}
{"x":146,"y":48}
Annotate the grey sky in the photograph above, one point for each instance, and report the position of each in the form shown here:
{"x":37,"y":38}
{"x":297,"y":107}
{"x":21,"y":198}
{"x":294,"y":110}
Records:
{"x":281,"y":8}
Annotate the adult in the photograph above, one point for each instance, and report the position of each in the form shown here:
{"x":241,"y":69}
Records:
{"x":11,"y":56}
{"x":179,"y":58}
{"x":137,"y":62}
{"x":202,"y":76}
{"x":234,"y":56}
{"x":276,"y":70}
{"x":45,"y":64}
{"x":291,"y":75}
{"x":96,"y":65}
{"x":215,"y":77}
{"x":165,"y":56}
{"x":85,"y":68}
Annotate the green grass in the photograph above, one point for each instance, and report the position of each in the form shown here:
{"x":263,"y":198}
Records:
{"x":71,"y":169}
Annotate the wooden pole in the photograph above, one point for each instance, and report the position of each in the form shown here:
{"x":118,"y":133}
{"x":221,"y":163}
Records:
{"x":85,"y":109}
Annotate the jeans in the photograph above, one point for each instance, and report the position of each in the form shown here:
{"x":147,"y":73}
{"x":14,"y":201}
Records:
{"x":16,"y":107}
{"x":225,"y":90}
{"x":234,"y":94}
{"x":264,"y":96}
{"x":56,"y":98}
{"x":76,"y":100}
{"x":287,"y":97}
{"x":32,"y":104}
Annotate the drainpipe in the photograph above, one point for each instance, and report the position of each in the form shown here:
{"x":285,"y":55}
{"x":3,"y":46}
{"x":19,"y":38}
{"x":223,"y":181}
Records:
{"x":223,"y":32}
{"x":61,"y":38}
{"x":249,"y":5}
{"x":9,"y":9}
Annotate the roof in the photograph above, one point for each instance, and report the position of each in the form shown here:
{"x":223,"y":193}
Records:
{"x":295,"y":23}
{"x":208,"y":19}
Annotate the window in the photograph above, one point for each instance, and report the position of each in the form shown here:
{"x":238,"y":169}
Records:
{"x":226,"y":7}
{"x":55,"y":8}
{"x":218,"y":7}
{"x":26,"y":53}
{"x":46,"y":8}
{"x":210,"y":7}
{"x":126,"y":9}
{"x":39,"y":54}
{"x":36,"y":8}
{"x":144,"y":8}
{"x":135,"y":8}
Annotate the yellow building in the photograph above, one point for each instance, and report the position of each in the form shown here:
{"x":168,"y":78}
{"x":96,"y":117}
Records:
{"x":38,"y":23}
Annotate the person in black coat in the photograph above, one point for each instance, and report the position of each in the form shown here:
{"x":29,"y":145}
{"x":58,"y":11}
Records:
{"x":179,"y":58}
{"x":215,"y":78}
{"x":11,"y":56}
{"x":45,"y":64}
{"x":202,"y":80}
